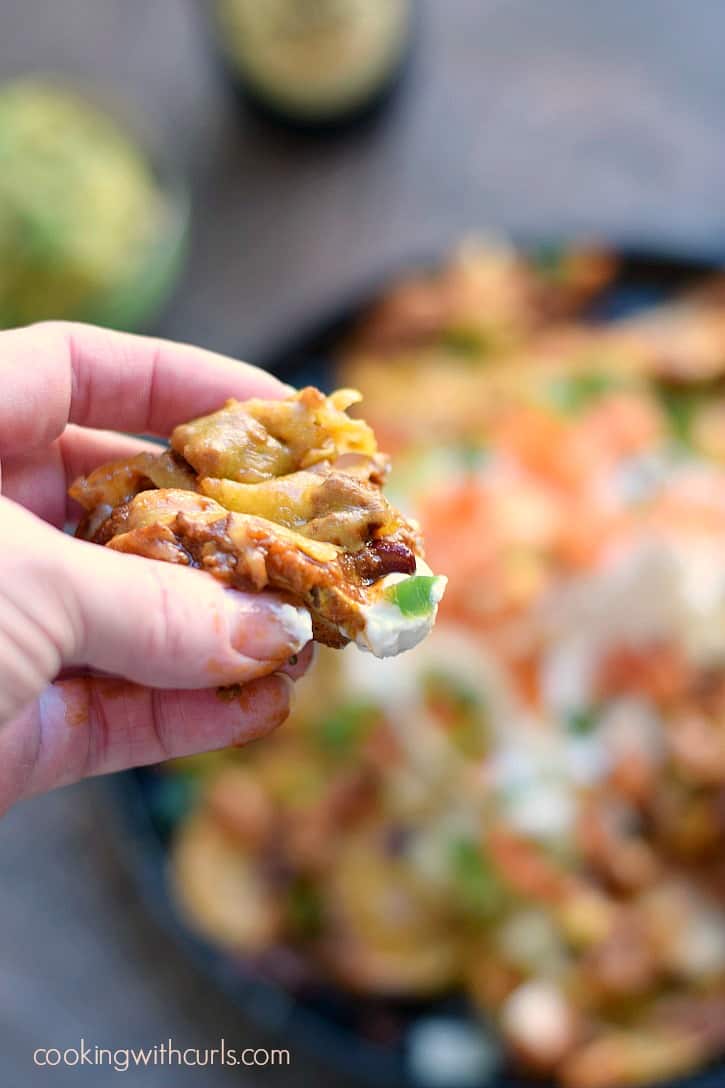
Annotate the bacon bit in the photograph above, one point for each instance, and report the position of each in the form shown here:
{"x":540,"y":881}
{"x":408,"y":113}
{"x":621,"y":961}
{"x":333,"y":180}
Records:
{"x":624,"y":962}
{"x":689,"y":823}
{"x":526,"y":868}
{"x":585,"y":536}
{"x":623,"y":858}
{"x":491,"y":980}
{"x":240,"y":805}
{"x":621,"y":424}
{"x":527,"y":678}
{"x":546,"y":446}
{"x":709,"y":691}
{"x":698,"y":747}
{"x":659,"y":671}
{"x":312,"y":835}
{"x":352,"y":797}
{"x":635,"y":778}
{"x":382,"y":748}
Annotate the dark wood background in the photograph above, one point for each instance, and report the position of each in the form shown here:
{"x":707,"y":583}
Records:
{"x":556,"y":118}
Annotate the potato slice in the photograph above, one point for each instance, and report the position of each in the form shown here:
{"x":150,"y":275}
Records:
{"x":219,"y":888}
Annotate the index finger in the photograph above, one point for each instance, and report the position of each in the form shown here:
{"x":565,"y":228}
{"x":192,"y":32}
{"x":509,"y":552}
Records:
{"x":58,"y":372}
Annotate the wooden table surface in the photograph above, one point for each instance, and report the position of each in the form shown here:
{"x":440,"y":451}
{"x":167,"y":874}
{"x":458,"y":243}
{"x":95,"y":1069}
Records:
{"x":541,"y":118}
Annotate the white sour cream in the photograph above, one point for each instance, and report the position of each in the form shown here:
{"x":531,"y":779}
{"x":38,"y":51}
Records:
{"x":387,"y":631}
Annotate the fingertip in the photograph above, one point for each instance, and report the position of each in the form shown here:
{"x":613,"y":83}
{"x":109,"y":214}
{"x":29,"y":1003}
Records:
{"x":264,"y":627}
{"x":93,"y":726}
{"x":300,"y":663}
{"x":169,"y":627}
{"x":262,"y":705}
{"x":192,"y":722}
{"x":208,"y":719}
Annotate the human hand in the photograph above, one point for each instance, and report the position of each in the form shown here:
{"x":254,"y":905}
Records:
{"x":169,"y":633}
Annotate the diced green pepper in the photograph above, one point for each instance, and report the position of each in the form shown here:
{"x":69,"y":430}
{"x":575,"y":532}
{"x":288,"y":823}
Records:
{"x":414,"y":596}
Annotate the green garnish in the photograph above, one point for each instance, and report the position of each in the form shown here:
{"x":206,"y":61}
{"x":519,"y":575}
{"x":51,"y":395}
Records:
{"x":478,"y":888}
{"x":460,"y":709}
{"x":680,"y":406}
{"x":472,"y":455}
{"x":550,"y":262}
{"x":439,"y":684}
{"x":414,"y":596}
{"x":582,"y":721}
{"x":473,"y":343}
{"x":304,"y":912}
{"x":342,"y":731}
{"x":572,"y":393}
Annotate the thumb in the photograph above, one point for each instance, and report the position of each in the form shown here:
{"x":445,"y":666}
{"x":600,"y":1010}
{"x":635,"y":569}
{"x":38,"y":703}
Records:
{"x":67,"y":602}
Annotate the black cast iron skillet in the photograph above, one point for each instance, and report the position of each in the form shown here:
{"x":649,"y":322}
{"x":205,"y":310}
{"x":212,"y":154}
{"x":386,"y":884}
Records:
{"x":363,"y":1039}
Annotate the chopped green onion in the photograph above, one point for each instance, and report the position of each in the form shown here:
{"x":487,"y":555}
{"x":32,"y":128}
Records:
{"x":582,"y":721}
{"x":414,"y":596}
{"x":549,"y":261}
{"x":680,"y":406}
{"x":304,"y":909}
{"x":572,"y":393}
{"x":441,"y":684}
{"x":472,"y":455}
{"x":477,"y":885}
{"x":460,"y":709}
{"x":347,"y":726}
{"x":476,"y":344}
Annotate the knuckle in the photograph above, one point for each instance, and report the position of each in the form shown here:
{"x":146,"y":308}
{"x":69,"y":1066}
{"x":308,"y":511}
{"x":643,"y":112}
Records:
{"x":38,"y":622}
{"x":163,"y":634}
{"x":181,"y":632}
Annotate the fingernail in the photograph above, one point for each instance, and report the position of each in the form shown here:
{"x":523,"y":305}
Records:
{"x":298,"y":664}
{"x":264,"y":628}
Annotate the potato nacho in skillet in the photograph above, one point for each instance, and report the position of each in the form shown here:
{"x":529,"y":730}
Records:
{"x":528,"y":807}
